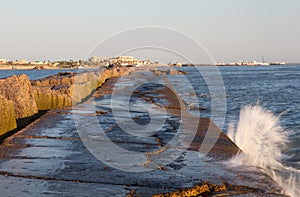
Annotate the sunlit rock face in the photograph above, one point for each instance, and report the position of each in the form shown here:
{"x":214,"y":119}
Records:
{"x":18,"y":89}
{"x":67,"y":89}
{"x":7,"y":115}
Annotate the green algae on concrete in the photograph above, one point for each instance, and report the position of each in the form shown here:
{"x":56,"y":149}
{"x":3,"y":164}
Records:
{"x":47,"y":99}
{"x":7,"y":116}
{"x":67,"y":89}
{"x":64,"y":89}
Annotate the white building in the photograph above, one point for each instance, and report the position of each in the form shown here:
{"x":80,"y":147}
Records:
{"x":3,"y":61}
{"x":20,"y":62}
{"x":120,"y":60}
{"x":102,"y":61}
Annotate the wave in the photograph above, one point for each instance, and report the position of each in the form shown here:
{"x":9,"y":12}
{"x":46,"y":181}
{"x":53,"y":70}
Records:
{"x":263,"y":140}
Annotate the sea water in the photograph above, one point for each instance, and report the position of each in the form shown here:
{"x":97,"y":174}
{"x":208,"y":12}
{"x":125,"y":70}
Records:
{"x":262,"y":118}
{"x":33,"y":74}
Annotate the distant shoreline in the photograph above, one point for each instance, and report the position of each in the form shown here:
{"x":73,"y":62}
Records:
{"x":47,"y":67}
{"x":30,"y":67}
{"x":228,"y":65}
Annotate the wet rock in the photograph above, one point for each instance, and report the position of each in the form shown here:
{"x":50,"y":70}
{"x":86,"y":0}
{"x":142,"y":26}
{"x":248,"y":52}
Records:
{"x":209,"y":189}
{"x":133,"y":194}
{"x":99,"y":112}
{"x":167,"y":71}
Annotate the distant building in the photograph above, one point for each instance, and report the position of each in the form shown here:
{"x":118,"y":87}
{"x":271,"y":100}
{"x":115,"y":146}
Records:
{"x":130,"y":60}
{"x":3,"y":61}
{"x":55,"y":64}
{"x":120,"y":60}
{"x":102,"y":61}
{"x":241,"y":63}
{"x":20,"y":62}
{"x":127,"y":60}
{"x":37,"y":63}
{"x":178,"y":64}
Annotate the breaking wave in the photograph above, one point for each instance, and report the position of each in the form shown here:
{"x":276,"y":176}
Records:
{"x":263,"y":140}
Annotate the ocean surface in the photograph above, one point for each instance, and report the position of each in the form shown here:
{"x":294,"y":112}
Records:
{"x":32,"y":74}
{"x":275,"y":88}
{"x":262,"y":100}
{"x":262,"y":116}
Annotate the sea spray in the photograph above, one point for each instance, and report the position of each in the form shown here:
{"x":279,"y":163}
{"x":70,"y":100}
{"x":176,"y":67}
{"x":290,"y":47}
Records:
{"x":262,"y":140}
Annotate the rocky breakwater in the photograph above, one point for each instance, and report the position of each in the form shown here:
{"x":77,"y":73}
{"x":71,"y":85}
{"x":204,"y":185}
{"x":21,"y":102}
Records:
{"x":67,"y":89}
{"x":7,"y":115}
{"x":17,"y":103}
{"x":22,"y":100}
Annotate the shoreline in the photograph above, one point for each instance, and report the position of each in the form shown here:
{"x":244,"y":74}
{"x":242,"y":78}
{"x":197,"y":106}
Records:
{"x":47,"y":67}
{"x":31,"y":67}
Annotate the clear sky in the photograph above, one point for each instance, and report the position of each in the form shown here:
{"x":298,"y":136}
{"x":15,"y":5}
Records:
{"x":230,"y":30}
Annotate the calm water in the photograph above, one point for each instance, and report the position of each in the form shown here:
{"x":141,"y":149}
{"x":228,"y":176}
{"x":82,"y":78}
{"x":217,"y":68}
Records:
{"x":32,"y":74}
{"x":276,"y":88}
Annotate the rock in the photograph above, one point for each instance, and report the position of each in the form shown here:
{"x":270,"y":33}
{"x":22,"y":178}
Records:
{"x":167,"y":71}
{"x":177,"y":72}
{"x":18,"y":90}
{"x":51,"y":99}
{"x":99,"y":112}
{"x":66,"y":78}
{"x":204,"y":189}
{"x":64,"y":89}
{"x":7,"y":116}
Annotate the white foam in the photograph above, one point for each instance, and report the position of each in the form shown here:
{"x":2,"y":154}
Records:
{"x":262,"y":140}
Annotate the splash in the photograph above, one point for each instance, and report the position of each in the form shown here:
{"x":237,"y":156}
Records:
{"x":262,"y":140}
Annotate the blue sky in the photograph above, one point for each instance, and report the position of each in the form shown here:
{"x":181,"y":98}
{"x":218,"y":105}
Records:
{"x":230,"y":30}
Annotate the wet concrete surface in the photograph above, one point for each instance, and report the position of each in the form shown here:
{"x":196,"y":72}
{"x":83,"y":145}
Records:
{"x":51,"y":157}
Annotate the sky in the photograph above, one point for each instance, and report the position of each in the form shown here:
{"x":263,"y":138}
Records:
{"x":226,"y":30}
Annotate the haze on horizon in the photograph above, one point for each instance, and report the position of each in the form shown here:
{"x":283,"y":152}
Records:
{"x":230,"y":30}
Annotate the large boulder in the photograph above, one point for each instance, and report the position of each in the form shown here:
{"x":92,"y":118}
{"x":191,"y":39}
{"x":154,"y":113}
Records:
{"x":64,"y":89}
{"x":18,"y":90}
{"x":47,"y":98}
{"x":7,"y":116}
